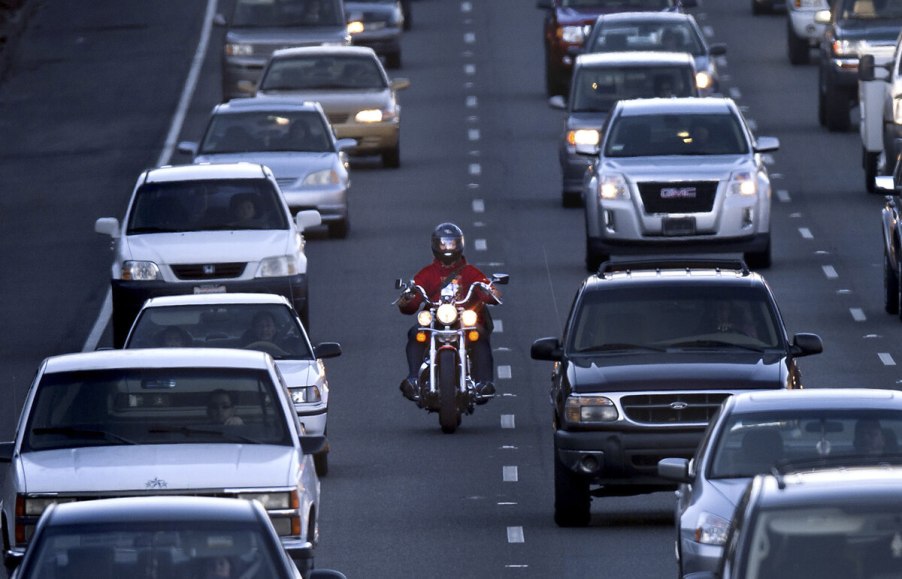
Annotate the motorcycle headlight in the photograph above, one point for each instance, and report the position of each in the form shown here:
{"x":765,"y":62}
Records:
{"x":446,"y":314}
{"x":589,"y":137}
{"x":468,"y":318}
{"x":572,"y":34}
{"x":612,"y":186}
{"x":589,"y":409}
{"x":369,"y":116}
{"x":320,"y":178}
{"x":743,"y":183}
{"x":305,"y":394}
{"x":711,"y":529}
{"x":424,"y":318}
{"x":278,"y":266}
{"x":237,"y":49}
{"x":140,"y":271}
{"x":703,"y":80}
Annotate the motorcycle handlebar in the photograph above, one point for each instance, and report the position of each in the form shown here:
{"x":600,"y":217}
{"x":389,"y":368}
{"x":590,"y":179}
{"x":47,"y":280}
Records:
{"x":413,"y":288}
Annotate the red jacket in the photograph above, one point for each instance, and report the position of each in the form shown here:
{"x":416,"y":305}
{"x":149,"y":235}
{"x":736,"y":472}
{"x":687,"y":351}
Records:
{"x":430,"y":278}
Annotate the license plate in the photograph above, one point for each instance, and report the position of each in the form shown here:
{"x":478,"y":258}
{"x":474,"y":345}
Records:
{"x":678,"y":226}
{"x":209,"y":289}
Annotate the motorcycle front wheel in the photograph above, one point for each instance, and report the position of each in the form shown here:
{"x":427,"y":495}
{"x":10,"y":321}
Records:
{"x":446,"y":375}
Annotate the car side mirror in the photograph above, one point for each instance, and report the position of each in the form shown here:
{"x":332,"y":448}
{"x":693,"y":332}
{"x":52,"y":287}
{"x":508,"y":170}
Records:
{"x":6,"y":451}
{"x":587,"y":150}
{"x":327,"y":350}
{"x":187,"y":148}
{"x":400,"y":83}
{"x":766,"y":144}
{"x":219,"y":20}
{"x":247,"y":86}
{"x":558,"y":102}
{"x":885,"y":184}
{"x":107,"y":226}
{"x":307,"y":219}
{"x":807,"y":344}
{"x":546,"y":349}
{"x":500,"y":278}
{"x":675,"y":469}
{"x":345,"y":144}
{"x":717,"y":49}
{"x":312,"y":443}
{"x":822,"y":17}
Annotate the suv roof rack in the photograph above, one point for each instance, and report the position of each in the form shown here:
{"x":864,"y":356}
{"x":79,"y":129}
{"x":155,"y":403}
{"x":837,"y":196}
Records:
{"x":660,"y":262}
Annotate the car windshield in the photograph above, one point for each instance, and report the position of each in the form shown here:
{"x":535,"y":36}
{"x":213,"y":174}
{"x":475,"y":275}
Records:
{"x":853,"y":538}
{"x":271,"y":328}
{"x":323,"y":72}
{"x":618,"y":5}
{"x":266,"y":131}
{"x":750,"y":444}
{"x":153,"y":550}
{"x":220,"y":204}
{"x":674,"y":318}
{"x":650,"y":135}
{"x":871,"y":9}
{"x":652,"y":35}
{"x":286,"y":13}
{"x":155,"y":406}
{"x":598,"y":89}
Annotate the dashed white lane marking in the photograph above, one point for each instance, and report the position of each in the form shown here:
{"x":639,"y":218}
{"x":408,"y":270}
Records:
{"x":480,"y":245}
{"x":466,"y":6}
{"x":470,"y":37}
{"x":478,"y":206}
{"x":504,"y":372}
{"x":470,"y":69}
{"x":473,"y":134}
{"x":516,"y":566}
{"x":471,"y":102}
{"x":507,"y":421}
{"x":783,"y":196}
{"x":499,"y":326}
{"x":735,"y":93}
{"x":510,"y":474}
{"x":830,"y":272}
{"x":475,"y":169}
{"x":858,"y":314}
{"x":805,"y":233}
{"x":886,"y":358}
{"x":515,"y":535}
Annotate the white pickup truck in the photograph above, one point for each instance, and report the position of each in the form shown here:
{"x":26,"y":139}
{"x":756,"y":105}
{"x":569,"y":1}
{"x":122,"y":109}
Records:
{"x":880,"y":98}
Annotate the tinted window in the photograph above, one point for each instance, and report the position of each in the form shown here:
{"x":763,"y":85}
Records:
{"x":206,"y":206}
{"x":323,"y":72}
{"x":598,"y":89}
{"x":266,"y":131}
{"x":222,"y":326}
{"x":673,"y":318}
{"x":675,"y":134}
{"x":155,"y":406}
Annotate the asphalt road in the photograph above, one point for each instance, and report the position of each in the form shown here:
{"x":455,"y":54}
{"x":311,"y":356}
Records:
{"x":90,"y":100}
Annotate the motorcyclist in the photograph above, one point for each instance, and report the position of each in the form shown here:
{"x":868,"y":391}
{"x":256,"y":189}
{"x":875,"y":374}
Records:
{"x":449,"y":266}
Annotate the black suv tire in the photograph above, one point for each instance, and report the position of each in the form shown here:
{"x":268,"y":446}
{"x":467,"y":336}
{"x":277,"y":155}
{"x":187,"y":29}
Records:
{"x":571,"y":497}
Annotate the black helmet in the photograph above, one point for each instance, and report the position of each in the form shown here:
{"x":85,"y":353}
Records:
{"x":447,"y":243}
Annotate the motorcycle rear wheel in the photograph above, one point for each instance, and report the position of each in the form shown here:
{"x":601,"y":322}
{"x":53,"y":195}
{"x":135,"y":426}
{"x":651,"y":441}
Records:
{"x":446,"y":375}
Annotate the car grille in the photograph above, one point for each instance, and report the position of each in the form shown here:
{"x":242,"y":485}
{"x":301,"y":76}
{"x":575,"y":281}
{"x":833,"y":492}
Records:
{"x":205,"y":271}
{"x":678,"y":196}
{"x":286,"y":182}
{"x":672,"y":408}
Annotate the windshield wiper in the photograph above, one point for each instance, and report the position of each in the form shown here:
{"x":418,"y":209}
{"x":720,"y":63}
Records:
{"x":73,"y":432}
{"x":620,"y":346}
{"x":714,"y":344}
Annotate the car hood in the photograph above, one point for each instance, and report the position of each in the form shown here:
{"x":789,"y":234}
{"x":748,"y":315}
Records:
{"x":586,"y":120}
{"x":283,"y":165}
{"x":875,"y":31}
{"x":158,"y":467}
{"x":208,"y":246}
{"x":344,"y":101}
{"x":681,"y":371}
{"x":274,"y":38}
{"x":298,"y":372}
{"x":679,"y":168}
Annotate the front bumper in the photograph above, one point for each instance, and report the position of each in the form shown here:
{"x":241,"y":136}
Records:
{"x":332,"y":202}
{"x":313,"y":417}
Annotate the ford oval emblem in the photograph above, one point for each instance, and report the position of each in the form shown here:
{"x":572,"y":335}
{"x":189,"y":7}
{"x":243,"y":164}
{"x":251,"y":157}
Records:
{"x":679,"y":405}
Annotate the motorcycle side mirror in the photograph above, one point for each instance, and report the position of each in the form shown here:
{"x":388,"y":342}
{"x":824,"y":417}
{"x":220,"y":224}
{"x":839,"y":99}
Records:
{"x":399,"y":283}
{"x":500,"y":278}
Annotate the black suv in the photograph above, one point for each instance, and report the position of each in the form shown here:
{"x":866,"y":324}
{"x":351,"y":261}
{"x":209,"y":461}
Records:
{"x":650,"y":350}
{"x":853,"y":28}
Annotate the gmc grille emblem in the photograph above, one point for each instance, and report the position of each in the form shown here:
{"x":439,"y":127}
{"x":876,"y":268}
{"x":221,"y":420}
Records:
{"x":679,"y":405}
{"x":209,"y":269}
{"x":678,"y":193}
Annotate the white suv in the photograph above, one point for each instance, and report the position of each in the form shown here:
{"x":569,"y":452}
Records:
{"x":206,"y":229}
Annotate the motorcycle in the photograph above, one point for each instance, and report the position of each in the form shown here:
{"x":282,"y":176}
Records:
{"x":449,"y":325}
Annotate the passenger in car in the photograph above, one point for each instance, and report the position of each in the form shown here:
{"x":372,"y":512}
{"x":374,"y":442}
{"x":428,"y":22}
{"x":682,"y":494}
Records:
{"x":173,"y":337}
{"x":221,"y":409}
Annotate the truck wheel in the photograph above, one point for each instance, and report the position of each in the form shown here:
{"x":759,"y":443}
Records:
{"x":836,"y":110}
{"x":891,"y":296}
{"x":571,"y":497}
{"x":870,"y":161}
{"x":798,"y":48}
{"x":571,"y":199}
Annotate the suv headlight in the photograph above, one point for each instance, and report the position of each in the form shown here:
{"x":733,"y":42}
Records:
{"x":743,"y":183}
{"x":140,"y":271}
{"x":571,"y":34}
{"x":711,"y":529}
{"x":612,"y":186}
{"x":589,"y":409}
{"x":588,"y":137}
{"x":278,"y":266}
{"x":235,"y":49}
{"x":305,"y":394}
{"x":319,"y":178}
